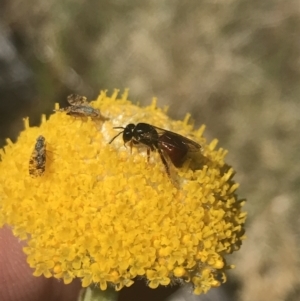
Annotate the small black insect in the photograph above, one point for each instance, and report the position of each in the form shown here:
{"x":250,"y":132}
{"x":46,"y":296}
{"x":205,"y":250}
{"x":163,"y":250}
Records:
{"x":167,"y":143}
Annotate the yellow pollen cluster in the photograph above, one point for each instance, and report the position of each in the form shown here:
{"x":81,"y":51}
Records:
{"x":105,"y":214}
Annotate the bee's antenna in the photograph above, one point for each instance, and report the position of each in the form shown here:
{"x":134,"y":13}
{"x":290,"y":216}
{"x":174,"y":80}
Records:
{"x":117,"y":127}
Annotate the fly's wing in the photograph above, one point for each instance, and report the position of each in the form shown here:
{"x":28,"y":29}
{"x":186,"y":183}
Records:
{"x":178,"y":141}
{"x":83,"y":111}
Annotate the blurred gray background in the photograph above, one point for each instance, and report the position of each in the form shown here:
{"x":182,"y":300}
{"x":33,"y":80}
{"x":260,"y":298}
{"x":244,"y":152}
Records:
{"x":235,"y":65}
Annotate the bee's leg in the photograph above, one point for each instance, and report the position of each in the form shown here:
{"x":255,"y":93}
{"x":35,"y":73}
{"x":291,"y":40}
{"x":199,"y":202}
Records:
{"x":133,"y":142}
{"x":149,"y":150}
{"x":164,"y":161}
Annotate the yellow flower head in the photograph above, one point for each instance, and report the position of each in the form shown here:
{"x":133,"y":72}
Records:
{"x":106,"y":214}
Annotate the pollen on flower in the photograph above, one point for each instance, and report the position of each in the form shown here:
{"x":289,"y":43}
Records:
{"x":179,"y":271}
{"x":106,"y":214}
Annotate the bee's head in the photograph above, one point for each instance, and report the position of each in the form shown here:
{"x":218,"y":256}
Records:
{"x":127,"y":133}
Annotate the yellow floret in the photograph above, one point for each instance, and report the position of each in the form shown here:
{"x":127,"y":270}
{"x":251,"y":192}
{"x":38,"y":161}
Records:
{"x":106,"y":215}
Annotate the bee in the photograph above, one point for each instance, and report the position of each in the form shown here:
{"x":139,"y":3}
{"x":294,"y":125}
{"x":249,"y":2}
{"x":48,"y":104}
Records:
{"x":79,"y":107}
{"x":37,"y":162}
{"x":168,"y":144}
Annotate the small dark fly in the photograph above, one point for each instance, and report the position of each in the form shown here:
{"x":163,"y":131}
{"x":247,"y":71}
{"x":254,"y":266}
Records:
{"x":37,"y":161}
{"x":79,"y":107}
{"x":168,"y":144}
